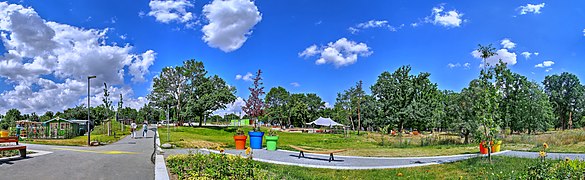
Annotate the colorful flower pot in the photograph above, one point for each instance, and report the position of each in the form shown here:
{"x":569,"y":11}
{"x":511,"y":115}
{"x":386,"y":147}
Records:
{"x":3,"y":133}
{"x":256,"y":139}
{"x":496,"y":147}
{"x":482,"y":150}
{"x":240,"y":141}
{"x":271,"y":143}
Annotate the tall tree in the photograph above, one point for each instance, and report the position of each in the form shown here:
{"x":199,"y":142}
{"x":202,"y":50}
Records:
{"x":277,"y":100}
{"x":566,"y":94}
{"x":12,"y":115}
{"x":168,"y":89}
{"x":487,"y":103}
{"x":204,"y":94}
{"x":107,"y":102}
{"x":359,"y":93}
{"x":298,"y":109}
{"x":401,"y":95}
{"x":314,"y":106}
{"x":254,"y":104}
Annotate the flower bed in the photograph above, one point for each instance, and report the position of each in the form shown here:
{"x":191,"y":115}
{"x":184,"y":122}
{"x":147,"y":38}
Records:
{"x":214,"y":166}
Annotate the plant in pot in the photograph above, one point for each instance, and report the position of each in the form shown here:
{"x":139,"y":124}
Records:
{"x":240,"y":139}
{"x":256,"y":137}
{"x":271,"y":140}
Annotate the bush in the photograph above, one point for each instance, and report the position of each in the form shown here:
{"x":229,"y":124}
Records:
{"x":567,"y":169}
{"x":214,"y":166}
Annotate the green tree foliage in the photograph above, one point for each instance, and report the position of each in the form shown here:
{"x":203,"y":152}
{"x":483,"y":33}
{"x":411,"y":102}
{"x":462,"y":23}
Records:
{"x":403,"y":97}
{"x":169,"y":89}
{"x":277,"y":100}
{"x":12,"y":115}
{"x":566,"y":95}
{"x":298,"y":110}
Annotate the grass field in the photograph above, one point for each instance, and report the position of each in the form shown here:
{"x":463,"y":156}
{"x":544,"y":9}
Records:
{"x":369,"y":144}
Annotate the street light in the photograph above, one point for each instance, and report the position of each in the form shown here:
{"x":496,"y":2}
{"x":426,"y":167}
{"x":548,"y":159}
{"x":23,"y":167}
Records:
{"x":88,"y":111}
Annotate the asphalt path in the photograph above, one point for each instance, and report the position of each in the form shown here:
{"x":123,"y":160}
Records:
{"x":126,"y":159}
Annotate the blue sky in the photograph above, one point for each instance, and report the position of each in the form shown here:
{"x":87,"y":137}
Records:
{"x":431,"y":36}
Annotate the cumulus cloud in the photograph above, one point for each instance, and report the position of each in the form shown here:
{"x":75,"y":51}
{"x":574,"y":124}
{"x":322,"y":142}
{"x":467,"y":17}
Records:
{"x":371,"y":24}
{"x":230,"y":23}
{"x":166,"y":11}
{"x":235,"y":108}
{"x":342,"y":52}
{"x":583,"y":32}
{"x":247,"y":77}
{"x":507,"y":43}
{"x":527,"y":54}
{"x":140,"y":65}
{"x":530,"y":8}
{"x":47,"y":63}
{"x":456,"y":65}
{"x":451,"y":65}
{"x":295,"y":84}
{"x":545,"y":64}
{"x":507,"y":57}
{"x":444,"y":18}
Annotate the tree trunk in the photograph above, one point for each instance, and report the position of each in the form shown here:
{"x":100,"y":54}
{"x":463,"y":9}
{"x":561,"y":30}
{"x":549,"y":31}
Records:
{"x":359,"y":120}
{"x":200,"y":121}
{"x":352,"y":125}
{"x":570,"y":120}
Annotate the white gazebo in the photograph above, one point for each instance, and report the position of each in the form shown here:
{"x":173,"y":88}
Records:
{"x":325,"y":122}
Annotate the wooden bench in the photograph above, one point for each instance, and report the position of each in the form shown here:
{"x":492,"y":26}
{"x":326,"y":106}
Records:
{"x":14,"y":139}
{"x":330,"y":152}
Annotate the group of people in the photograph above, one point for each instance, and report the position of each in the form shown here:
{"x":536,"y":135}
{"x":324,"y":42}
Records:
{"x":133,"y":127}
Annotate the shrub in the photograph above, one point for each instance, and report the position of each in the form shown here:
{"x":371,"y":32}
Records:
{"x":214,"y":166}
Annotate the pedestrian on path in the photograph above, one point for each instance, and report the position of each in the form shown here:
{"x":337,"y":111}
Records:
{"x":133,"y":129}
{"x":144,"y":128}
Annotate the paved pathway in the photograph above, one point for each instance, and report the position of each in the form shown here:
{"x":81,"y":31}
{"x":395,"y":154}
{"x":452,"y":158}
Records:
{"x":354,"y":162}
{"x":126,"y":159}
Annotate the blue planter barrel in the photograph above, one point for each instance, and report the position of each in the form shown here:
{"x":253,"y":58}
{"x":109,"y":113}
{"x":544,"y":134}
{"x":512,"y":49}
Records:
{"x":256,"y":139}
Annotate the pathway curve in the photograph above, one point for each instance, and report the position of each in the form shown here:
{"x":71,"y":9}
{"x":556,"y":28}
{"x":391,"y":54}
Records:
{"x":126,"y":159}
{"x":356,"y":162}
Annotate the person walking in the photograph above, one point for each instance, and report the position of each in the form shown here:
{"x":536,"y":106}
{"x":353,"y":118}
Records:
{"x":144,"y":128}
{"x":133,"y":129}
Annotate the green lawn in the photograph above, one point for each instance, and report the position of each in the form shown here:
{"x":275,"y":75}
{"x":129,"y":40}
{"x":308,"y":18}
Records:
{"x":362,"y":145}
{"x":475,"y":168}
{"x":369,"y":144}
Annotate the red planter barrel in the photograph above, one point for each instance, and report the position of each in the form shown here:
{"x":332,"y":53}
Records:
{"x":482,"y":150}
{"x":240,"y":141}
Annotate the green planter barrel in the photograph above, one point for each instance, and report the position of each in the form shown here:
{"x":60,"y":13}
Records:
{"x":271,"y":143}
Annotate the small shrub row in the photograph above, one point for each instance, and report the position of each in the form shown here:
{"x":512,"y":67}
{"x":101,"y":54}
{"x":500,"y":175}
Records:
{"x":214,"y":166}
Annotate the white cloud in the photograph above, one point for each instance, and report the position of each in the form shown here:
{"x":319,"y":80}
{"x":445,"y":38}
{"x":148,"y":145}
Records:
{"x":507,"y":57}
{"x":343,"y":52}
{"x":530,"y":8}
{"x":327,"y":105}
{"x":548,"y":69}
{"x":123,"y":37}
{"x":445,"y":18}
{"x":167,"y":11}
{"x":544,"y":64}
{"x":506,"y":43}
{"x":235,"y":107}
{"x":295,"y":84}
{"x":230,"y":23}
{"x":467,"y":65}
{"x":526,"y":54}
{"x":583,"y":32}
{"x":371,"y":24}
{"x":47,"y":63}
{"x":140,"y":65}
{"x":247,"y":77}
{"x":536,"y":53}
{"x":451,"y":65}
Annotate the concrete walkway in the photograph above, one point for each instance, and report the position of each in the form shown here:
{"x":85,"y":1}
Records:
{"x":285,"y":157}
{"x":126,"y":159}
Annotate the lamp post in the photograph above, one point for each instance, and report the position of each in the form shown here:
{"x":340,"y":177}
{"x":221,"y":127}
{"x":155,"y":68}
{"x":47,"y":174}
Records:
{"x":88,"y":111}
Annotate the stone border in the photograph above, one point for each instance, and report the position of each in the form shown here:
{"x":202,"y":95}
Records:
{"x":160,"y":167}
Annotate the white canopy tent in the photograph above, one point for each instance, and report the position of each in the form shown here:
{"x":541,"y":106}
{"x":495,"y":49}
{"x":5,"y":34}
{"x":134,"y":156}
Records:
{"x":324,"y":122}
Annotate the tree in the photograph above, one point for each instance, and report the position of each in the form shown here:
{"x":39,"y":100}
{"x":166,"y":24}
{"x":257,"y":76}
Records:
{"x":254,"y":105}
{"x":168,"y":89}
{"x":487,"y":103}
{"x":314,"y":106}
{"x":359,"y":93}
{"x":204,"y":94}
{"x":401,"y":96}
{"x":298,"y":109}
{"x":47,"y":116}
{"x":566,"y":94}
{"x":277,"y":100}
{"x":106,"y":101}
{"x":12,"y":115}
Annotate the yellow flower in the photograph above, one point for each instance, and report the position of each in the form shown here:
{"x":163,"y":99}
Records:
{"x":248,"y":151}
{"x":399,"y":174}
{"x":542,"y":154}
{"x":460,"y":177}
{"x":545,"y":145}
{"x":221,"y":150}
{"x":567,"y":159}
{"x":218,"y":148}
